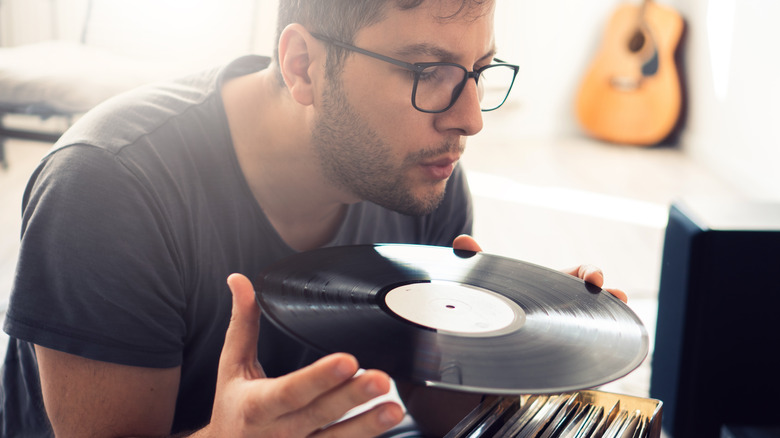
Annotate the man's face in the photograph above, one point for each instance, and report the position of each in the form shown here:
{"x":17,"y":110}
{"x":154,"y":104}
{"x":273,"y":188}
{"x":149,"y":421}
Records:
{"x":371,"y":141}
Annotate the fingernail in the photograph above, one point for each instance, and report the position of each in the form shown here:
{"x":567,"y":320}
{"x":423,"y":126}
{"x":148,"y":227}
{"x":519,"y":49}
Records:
{"x":374,"y":390}
{"x":388,"y":416}
{"x":344,"y":369}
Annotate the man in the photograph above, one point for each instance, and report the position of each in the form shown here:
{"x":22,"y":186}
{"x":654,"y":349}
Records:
{"x":144,"y":208}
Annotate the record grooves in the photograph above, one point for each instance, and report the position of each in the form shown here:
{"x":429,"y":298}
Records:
{"x":454,"y":319}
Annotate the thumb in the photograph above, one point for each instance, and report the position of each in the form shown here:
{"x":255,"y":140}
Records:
{"x":239,"y":353}
{"x":466,"y":243}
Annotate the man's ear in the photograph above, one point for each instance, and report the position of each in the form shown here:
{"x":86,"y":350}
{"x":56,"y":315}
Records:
{"x":296,"y":57}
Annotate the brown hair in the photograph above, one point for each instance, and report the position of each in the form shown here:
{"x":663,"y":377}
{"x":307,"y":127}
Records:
{"x":341,"y":20}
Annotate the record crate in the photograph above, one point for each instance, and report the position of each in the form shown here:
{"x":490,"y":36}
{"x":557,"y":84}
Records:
{"x":591,"y":413}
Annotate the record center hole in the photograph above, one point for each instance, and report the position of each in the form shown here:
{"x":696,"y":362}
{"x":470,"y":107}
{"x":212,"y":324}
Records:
{"x":450,"y":306}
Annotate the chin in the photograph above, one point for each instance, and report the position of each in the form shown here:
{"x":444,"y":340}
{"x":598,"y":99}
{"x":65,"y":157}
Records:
{"x":425,"y":205}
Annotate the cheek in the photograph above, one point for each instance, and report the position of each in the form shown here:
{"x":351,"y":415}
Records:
{"x":385,"y":98}
{"x":398,"y":123}
{"x":385,"y":104}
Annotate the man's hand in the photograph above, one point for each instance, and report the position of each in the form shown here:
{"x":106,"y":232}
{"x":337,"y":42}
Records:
{"x":466,"y":243}
{"x":588,"y":273}
{"x":302,"y":403}
{"x":593,"y":275}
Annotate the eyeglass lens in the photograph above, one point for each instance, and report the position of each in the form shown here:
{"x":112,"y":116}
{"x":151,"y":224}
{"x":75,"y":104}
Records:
{"x":438,"y":86}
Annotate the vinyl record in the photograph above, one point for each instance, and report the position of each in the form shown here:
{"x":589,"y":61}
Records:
{"x":454,"y":319}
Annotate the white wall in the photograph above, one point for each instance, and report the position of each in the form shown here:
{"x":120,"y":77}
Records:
{"x":29,"y":21}
{"x":732,"y":76}
{"x":731,"y":72}
{"x":734,"y":87}
{"x":206,"y":31}
{"x":552,"y":41}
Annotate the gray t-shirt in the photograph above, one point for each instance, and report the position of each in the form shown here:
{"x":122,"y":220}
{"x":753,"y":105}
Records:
{"x":131,"y":226}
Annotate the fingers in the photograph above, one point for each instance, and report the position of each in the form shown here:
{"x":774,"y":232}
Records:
{"x":240,"y":347}
{"x":297,"y":404}
{"x":589,"y":273}
{"x":370,"y":423}
{"x":595,"y":276}
{"x":320,"y":394}
{"x":300,"y":388}
{"x":466,"y":243}
{"x":619,"y":294}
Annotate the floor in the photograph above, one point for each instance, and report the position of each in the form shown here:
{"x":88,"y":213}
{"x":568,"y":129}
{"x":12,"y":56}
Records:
{"x":557,"y":202}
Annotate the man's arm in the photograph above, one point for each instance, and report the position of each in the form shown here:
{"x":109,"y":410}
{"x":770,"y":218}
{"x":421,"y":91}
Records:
{"x":86,"y":398}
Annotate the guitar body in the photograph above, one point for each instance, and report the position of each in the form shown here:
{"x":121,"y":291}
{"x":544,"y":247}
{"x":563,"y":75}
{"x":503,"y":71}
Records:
{"x":631,"y":93}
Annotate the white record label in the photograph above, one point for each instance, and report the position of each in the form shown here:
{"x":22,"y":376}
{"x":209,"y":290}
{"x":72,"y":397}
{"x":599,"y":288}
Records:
{"x":455,"y":308}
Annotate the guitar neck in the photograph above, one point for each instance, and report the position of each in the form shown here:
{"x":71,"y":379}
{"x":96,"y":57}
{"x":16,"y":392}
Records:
{"x":641,"y":17}
{"x":642,"y":9}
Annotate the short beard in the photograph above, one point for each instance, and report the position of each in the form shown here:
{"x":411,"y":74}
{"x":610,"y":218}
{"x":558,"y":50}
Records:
{"x":354,"y":158}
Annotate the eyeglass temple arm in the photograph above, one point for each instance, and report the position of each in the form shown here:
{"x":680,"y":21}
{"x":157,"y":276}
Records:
{"x":352,"y":48}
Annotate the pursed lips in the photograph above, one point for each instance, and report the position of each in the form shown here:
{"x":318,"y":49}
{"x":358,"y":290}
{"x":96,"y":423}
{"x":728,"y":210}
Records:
{"x":440,"y":168}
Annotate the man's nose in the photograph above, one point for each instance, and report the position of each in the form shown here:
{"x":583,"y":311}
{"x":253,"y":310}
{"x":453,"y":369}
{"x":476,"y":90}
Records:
{"x":466,"y":114}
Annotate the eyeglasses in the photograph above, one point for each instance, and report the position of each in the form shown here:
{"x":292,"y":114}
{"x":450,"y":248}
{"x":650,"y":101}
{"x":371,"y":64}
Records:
{"x":437,"y":85}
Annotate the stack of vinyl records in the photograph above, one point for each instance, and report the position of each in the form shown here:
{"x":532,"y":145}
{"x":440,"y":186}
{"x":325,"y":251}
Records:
{"x":470,"y":322}
{"x":586,"y":414}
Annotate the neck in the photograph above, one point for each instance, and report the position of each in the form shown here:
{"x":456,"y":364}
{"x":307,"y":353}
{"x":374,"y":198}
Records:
{"x":271,"y":137}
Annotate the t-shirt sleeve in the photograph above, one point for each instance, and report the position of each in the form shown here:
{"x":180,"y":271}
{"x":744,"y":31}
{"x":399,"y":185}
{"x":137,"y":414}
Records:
{"x":98,"y":273}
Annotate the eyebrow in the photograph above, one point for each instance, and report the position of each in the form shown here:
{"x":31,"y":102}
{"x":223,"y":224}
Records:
{"x":439,"y":53}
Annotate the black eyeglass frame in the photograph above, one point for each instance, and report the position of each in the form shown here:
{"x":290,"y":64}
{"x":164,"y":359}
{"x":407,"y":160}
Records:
{"x":418,"y":67}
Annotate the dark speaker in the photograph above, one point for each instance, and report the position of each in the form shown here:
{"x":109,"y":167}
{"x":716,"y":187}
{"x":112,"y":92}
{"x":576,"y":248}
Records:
{"x":716,"y":359}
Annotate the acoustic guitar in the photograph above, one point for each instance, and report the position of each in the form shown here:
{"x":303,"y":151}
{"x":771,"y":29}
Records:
{"x":631,"y":93}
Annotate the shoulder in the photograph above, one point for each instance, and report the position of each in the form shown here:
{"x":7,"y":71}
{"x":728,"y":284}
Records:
{"x":72,"y":173}
{"x":126,"y":118}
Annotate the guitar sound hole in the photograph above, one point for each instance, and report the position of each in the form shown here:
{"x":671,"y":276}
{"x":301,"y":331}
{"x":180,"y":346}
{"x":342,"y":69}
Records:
{"x":637,"y":41}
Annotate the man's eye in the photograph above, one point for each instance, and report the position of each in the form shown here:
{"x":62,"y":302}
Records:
{"x":431,"y":73}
